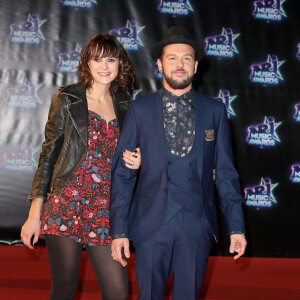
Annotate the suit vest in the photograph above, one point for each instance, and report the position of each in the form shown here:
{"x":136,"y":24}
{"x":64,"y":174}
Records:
{"x":184,"y":188}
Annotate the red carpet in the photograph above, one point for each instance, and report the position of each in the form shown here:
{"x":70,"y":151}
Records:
{"x":25,"y":275}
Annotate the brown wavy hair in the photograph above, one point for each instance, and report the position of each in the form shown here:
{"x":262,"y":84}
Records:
{"x":105,"y":45}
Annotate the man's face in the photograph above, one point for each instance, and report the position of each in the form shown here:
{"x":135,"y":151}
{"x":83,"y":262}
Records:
{"x":178,"y":66}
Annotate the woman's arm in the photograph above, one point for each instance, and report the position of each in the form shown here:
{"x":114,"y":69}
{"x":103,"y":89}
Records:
{"x":54,"y":137}
{"x":31,"y":227}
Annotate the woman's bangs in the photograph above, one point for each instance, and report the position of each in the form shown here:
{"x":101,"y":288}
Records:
{"x":105,"y":50}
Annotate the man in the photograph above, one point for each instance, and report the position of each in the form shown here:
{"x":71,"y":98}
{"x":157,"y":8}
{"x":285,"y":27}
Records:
{"x":170,"y":213}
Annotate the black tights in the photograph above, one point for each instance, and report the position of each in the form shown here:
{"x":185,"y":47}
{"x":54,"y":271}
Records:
{"x":64,"y":258}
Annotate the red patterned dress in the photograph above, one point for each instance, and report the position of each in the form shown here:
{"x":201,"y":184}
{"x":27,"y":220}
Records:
{"x":81,"y":212}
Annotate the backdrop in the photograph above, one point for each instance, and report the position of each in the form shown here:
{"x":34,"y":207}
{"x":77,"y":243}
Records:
{"x":252,"y":64}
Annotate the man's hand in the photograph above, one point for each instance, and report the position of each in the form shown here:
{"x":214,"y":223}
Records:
{"x":116,"y":250}
{"x":237,"y":244}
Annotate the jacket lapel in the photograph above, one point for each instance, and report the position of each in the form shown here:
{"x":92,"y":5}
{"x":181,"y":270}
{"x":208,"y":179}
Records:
{"x":200,"y":125}
{"x":158,"y":126}
{"x":120,"y":102}
{"x":79,"y":111}
{"x":78,"y":108}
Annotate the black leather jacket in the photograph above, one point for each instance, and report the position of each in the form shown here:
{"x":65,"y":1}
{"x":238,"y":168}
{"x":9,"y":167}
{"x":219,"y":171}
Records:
{"x":66,"y":139}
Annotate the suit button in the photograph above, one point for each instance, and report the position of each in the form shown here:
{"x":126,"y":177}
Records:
{"x":190,"y":164}
{"x":168,"y":178}
{"x":169,"y":163}
{"x":190,"y":179}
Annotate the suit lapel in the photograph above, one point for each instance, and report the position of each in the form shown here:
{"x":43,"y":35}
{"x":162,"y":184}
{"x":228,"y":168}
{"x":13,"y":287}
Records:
{"x":159,"y":125}
{"x":200,"y":125}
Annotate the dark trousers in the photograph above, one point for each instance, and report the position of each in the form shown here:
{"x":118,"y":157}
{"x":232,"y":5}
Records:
{"x":181,"y":248}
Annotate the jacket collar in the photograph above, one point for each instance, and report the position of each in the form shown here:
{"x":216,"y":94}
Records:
{"x":76,"y":90}
{"x":79,"y":107}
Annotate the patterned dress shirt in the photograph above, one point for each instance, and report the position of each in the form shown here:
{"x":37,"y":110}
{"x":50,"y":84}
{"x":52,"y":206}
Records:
{"x":179,"y":122}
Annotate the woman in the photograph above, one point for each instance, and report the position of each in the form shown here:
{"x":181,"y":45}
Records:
{"x":71,"y":187}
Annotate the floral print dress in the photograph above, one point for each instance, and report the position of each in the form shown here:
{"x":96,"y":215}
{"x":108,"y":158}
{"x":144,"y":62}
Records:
{"x":81,"y":213}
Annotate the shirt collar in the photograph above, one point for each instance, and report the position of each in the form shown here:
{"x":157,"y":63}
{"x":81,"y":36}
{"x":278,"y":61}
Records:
{"x":186,"y":98}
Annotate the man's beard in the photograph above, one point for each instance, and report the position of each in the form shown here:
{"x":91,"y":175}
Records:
{"x":178,"y":84}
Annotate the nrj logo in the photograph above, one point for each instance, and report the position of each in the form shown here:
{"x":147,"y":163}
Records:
{"x":23,"y":96}
{"x":21,"y":159}
{"x":128,"y":36}
{"x":295,"y":173}
{"x":269,"y":10}
{"x":175,"y":7}
{"x":224,"y":96}
{"x":260,"y":195}
{"x":27,"y":32}
{"x":222,"y":45}
{"x":267,"y":72}
{"x":297,"y":112}
{"x":264,"y":134}
{"x":298,"y":51}
{"x":78,"y":3}
{"x":68,"y":61}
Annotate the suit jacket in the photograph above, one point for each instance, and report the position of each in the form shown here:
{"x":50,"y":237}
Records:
{"x":138,"y":207}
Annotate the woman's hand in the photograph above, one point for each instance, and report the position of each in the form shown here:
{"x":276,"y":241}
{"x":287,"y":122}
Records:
{"x":132,"y":160}
{"x":31,"y":227}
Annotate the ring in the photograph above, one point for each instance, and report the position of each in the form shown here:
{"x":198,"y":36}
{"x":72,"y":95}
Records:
{"x":112,"y":255}
{"x":132,"y":163}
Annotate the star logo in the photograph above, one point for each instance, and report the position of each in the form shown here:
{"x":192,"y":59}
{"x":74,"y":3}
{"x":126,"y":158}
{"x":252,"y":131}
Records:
{"x":133,"y":93}
{"x":136,"y":92}
{"x":234,"y":37}
{"x":225,"y":97}
{"x":78,"y":47}
{"x":23,"y":96}
{"x":33,"y":18}
{"x":272,"y":187}
{"x":36,"y":88}
{"x":128,"y":36}
{"x":269,"y":10}
{"x":223,"y":44}
{"x":279,"y":64}
{"x":138,"y":30}
{"x":281,"y":11}
{"x":276,"y":125}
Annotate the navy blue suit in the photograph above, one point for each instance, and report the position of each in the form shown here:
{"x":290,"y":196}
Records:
{"x":152,"y":209}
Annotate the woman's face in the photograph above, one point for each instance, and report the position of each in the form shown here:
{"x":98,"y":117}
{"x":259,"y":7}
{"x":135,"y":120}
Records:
{"x":104,"y":69}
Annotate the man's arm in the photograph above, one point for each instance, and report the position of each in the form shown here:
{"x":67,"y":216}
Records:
{"x":228,"y":185}
{"x":238,"y":244}
{"x":116,"y":250}
{"x":122,"y":188}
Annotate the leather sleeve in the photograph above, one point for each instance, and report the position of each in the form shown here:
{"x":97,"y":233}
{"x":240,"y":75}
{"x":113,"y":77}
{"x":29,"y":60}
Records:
{"x":54,"y":137}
